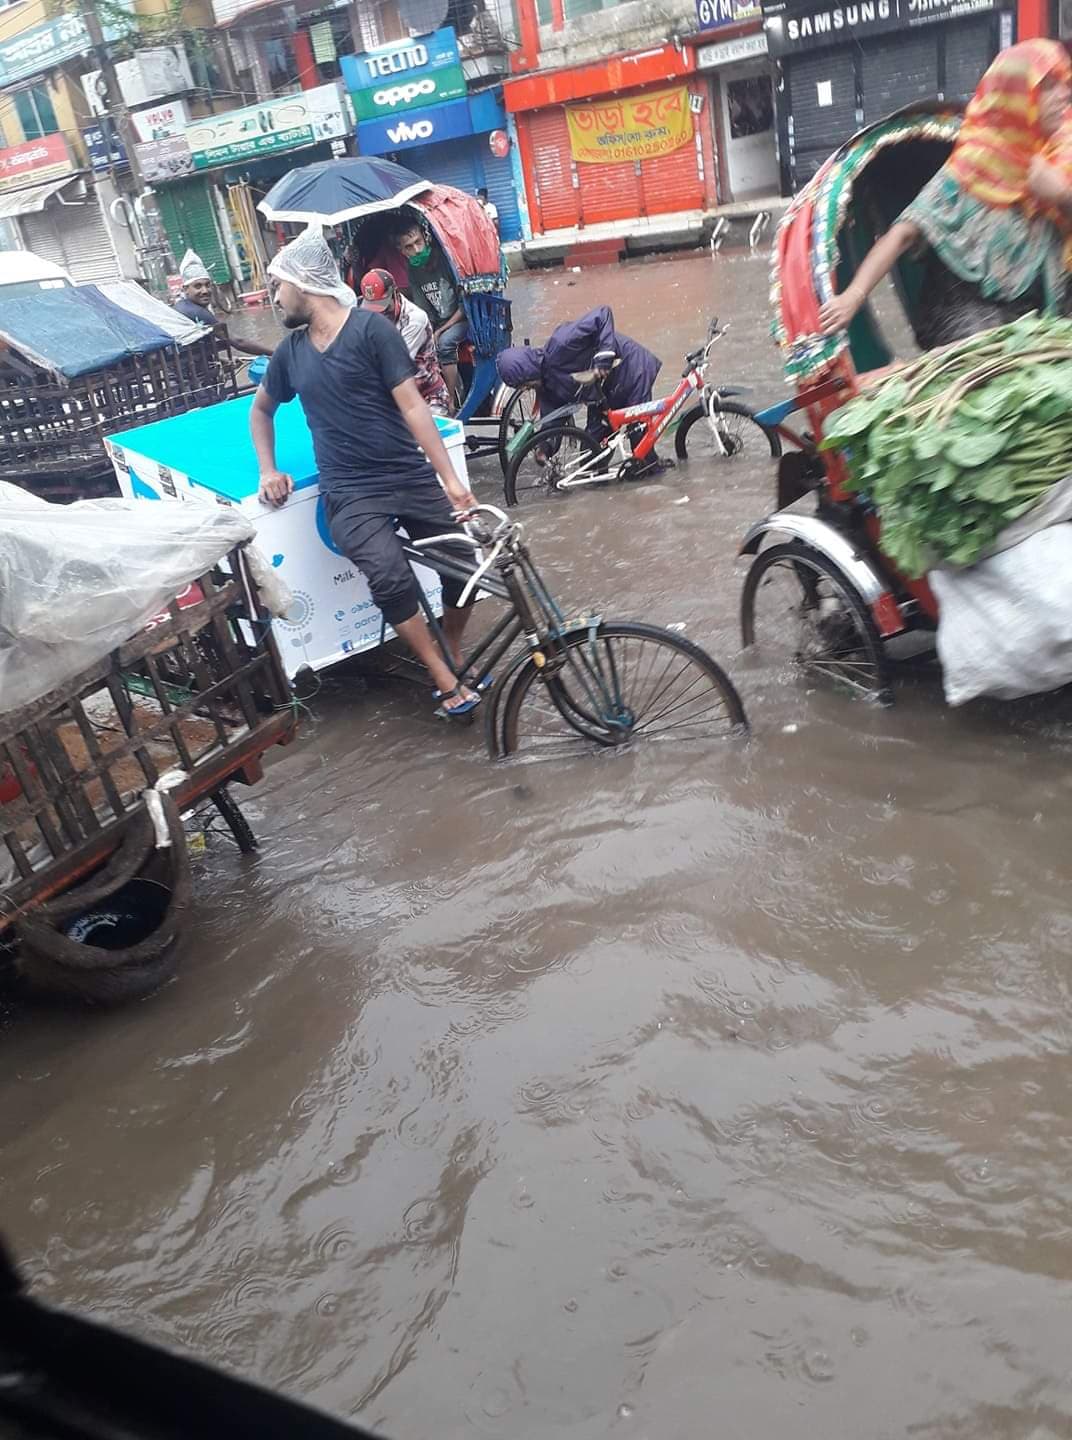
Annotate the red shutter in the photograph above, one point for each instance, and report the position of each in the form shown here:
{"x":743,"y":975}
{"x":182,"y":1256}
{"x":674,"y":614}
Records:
{"x":551,"y":181}
{"x":609,"y":192}
{"x":672,"y":182}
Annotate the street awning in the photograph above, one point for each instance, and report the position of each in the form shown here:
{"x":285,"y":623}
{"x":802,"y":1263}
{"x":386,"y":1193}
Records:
{"x":31,"y":199}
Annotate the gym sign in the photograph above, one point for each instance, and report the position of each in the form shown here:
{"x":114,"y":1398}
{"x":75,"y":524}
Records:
{"x":409,"y":92}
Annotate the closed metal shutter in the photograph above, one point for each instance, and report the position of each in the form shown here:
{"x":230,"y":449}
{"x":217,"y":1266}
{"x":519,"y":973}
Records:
{"x":499,"y":178}
{"x":190,"y":222}
{"x":555,"y":201}
{"x":610,"y":192}
{"x":76,"y":237}
{"x":896,"y":71}
{"x":673,"y":182}
{"x":820,"y":129}
{"x":969,"y":49}
{"x":451,"y":163}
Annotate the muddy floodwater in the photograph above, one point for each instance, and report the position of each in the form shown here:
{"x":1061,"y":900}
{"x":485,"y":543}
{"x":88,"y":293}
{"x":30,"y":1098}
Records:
{"x":709,"y":1091}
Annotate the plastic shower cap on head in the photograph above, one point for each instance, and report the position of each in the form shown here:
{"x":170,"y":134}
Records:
{"x":193,"y":268}
{"x":308,"y":263}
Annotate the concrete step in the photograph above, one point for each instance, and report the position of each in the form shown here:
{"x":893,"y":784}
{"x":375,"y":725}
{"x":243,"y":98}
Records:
{"x":583,"y":253}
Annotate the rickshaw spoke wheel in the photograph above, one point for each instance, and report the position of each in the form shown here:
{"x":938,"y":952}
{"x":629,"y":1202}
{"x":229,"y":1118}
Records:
{"x":802,"y":614}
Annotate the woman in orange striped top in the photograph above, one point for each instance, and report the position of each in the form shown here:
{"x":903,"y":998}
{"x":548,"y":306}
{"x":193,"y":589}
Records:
{"x":984,"y":226}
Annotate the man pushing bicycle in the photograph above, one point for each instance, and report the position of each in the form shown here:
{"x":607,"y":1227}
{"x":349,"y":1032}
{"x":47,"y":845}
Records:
{"x":353,"y":374}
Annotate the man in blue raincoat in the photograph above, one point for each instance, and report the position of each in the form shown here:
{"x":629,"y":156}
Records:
{"x":572,"y":349}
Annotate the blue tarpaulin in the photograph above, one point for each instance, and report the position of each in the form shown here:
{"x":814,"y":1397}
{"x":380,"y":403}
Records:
{"x":76,"y":330}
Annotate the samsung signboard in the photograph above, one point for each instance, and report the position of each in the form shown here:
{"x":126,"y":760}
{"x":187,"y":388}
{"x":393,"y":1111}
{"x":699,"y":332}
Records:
{"x":793,"y":28}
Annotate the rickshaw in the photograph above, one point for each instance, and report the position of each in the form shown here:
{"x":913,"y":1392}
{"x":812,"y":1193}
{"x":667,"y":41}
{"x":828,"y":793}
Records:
{"x":363,"y":197}
{"x":827,"y":578}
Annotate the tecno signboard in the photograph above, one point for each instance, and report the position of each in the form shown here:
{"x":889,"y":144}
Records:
{"x":416,"y":75}
{"x":423,"y":127}
{"x":791,"y":28}
{"x":404,"y":60}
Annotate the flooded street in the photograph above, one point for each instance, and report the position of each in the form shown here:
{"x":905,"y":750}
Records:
{"x":699,"y":1091}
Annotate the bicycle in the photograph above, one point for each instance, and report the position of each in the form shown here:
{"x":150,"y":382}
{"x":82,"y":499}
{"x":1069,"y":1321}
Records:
{"x":559,"y":456}
{"x":609,"y":682}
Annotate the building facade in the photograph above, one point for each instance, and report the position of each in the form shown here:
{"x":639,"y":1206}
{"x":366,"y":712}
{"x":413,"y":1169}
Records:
{"x":844,"y":65}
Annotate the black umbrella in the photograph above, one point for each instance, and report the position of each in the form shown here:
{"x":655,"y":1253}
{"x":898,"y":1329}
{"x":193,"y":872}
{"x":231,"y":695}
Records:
{"x":332,"y":191}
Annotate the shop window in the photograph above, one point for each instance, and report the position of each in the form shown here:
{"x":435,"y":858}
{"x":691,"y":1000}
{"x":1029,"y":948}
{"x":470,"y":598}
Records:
{"x":329,"y":39}
{"x":750,"y":105}
{"x":279,"y":63}
{"x":35,"y":112}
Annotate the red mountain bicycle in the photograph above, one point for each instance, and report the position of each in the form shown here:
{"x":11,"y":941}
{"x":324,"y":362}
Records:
{"x":558,"y":455}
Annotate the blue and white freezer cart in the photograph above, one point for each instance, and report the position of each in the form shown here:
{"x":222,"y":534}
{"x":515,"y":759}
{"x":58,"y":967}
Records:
{"x":206,"y":456}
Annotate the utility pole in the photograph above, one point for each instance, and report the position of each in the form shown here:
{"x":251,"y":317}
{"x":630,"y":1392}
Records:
{"x":118,"y":113}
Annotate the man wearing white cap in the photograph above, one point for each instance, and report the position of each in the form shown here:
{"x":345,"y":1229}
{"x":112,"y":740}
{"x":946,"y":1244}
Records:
{"x":196,"y":299}
{"x":355,"y":379}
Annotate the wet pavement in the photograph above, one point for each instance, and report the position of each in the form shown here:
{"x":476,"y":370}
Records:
{"x":687,"y":1092}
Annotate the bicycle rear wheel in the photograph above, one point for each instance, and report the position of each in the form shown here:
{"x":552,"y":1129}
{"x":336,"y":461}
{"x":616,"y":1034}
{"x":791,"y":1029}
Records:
{"x":540,"y":463}
{"x":517,"y":412}
{"x":615,"y":684}
{"x":739,"y":435}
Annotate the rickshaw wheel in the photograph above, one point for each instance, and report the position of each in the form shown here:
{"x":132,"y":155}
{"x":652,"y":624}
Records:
{"x":799,"y":609}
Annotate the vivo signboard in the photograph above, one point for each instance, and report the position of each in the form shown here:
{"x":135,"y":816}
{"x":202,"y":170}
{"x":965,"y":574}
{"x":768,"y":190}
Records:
{"x":419,"y":127}
{"x":405,"y":60}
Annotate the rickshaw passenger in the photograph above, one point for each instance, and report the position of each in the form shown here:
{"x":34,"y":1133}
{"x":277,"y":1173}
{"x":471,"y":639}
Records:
{"x":380,"y":293}
{"x":432,"y":287}
{"x":985,"y":224}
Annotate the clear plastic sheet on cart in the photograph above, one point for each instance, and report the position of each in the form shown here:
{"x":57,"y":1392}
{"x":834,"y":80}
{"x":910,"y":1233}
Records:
{"x":78,"y":580}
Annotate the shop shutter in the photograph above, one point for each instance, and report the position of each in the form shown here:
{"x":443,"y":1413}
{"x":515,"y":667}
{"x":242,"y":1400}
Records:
{"x":499,"y":178}
{"x":610,"y":192}
{"x":896,"y":70}
{"x":557,"y":202}
{"x":451,"y":163}
{"x":672,"y":182}
{"x":820,"y":129}
{"x":187,"y":216}
{"x":969,"y":49}
{"x":76,"y":237}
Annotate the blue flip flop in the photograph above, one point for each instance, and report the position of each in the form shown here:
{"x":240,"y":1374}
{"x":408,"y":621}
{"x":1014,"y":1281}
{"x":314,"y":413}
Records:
{"x":454,"y":712}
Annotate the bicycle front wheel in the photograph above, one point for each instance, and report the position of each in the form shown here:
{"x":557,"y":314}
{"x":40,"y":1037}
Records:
{"x":616,"y":684}
{"x":544,"y":460}
{"x":735,"y":434}
{"x":517,"y":412}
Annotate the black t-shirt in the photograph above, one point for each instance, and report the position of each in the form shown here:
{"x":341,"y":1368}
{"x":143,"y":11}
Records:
{"x":433,"y":289}
{"x":197,"y":313}
{"x":359,"y":436}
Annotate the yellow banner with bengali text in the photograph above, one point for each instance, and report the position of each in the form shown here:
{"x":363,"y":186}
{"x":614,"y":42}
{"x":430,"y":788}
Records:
{"x":638,"y":129}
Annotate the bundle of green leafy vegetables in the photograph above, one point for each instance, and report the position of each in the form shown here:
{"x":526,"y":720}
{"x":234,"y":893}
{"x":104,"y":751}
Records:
{"x":954,"y":447}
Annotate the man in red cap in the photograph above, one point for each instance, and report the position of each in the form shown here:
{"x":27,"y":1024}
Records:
{"x":379,"y":292}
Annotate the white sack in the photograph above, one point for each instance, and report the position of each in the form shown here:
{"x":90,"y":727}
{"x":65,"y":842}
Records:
{"x":1005,"y":624}
{"x":78,"y":580}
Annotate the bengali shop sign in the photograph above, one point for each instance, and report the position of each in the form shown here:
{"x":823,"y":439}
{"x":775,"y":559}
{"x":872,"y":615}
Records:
{"x":34,"y":162}
{"x":288,"y":122}
{"x":612,"y":131}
